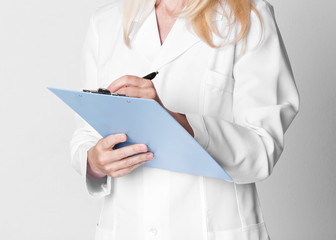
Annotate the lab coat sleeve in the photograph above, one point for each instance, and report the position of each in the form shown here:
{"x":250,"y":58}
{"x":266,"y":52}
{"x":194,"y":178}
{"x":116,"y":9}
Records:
{"x":85,"y":137}
{"x":265,"y":102}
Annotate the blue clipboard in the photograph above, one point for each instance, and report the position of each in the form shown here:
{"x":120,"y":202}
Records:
{"x":144,"y":121}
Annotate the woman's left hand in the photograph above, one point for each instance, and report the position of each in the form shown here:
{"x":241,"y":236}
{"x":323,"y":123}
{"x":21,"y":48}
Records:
{"x":133,"y":86}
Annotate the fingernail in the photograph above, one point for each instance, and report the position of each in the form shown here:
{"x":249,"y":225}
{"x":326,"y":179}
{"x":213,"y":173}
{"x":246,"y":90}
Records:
{"x":149,"y":155}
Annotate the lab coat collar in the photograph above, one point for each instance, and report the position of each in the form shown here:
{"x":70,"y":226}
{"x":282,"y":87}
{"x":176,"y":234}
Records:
{"x":181,"y":37}
{"x":147,"y":41}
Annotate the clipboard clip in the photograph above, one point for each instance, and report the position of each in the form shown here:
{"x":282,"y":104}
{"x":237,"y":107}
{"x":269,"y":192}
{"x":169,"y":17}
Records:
{"x":104,"y":91}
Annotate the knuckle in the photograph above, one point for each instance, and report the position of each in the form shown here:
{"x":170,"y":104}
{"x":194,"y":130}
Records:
{"x":124,"y":78}
{"x":152,"y":93}
{"x":114,"y":169}
{"x":122,"y":154}
{"x":101,"y":161}
{"x":104,"y":143}
{"x":122,"y":91}
{"x":107,"y":168}
{"x":147,"y":84}
{"x":110,"y":171}
{"x":134,"y":148}
{"x":127,"y":79}
{"x":125,"y":164}
{"x":132,"y":161}
{"x":144,"y":156}
{"x":99,"y":143}
{"x":126,"y":91}
{"x":116,"y":174}
{"x":113,"y":174}
{"x":125,"y":154}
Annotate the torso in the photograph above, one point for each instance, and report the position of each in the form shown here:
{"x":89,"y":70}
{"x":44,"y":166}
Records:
{"x":193,"y":78}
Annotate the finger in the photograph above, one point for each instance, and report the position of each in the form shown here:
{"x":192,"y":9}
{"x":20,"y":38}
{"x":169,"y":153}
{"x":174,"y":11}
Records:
{"x":148,"y":93}
{"x":127,"y":81}
{"x":129,"y":162}
{"x":127,"y":151}
{"x":110,"y":141}
{"x":125,"y":171}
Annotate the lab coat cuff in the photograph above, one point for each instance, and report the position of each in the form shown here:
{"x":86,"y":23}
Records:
{"x":197,"y":124}
{"x":96,"y":187}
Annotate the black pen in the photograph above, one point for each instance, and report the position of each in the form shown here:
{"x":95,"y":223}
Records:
{"x":151,"y":75}
{"x":106,"y":91}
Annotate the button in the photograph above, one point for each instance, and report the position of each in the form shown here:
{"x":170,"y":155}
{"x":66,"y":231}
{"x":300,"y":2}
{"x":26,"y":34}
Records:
{"x":153,"y":231}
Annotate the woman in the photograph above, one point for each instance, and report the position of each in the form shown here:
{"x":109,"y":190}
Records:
{"x":224,"y":75}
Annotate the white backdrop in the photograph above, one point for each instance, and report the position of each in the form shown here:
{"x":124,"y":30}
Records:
{"x":42,"y":197}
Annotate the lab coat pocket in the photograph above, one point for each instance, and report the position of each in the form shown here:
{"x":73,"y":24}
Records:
{"x":217,"y":100}
{"x":104,"y":234}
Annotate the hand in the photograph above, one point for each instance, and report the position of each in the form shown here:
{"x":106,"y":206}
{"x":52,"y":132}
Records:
{"x":104,"y":160}
{"x":133,"y":86}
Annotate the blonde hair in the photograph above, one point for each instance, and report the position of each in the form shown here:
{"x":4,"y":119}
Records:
{"x":199,"y":13}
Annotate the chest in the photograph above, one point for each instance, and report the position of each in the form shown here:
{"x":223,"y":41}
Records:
{"x":193,"y":79}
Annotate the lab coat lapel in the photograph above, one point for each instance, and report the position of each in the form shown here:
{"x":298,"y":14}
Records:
{"x":179,"y":40}
{"x":147,"y":41}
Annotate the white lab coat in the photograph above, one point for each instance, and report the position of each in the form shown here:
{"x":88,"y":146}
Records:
{"x":239,"y":110}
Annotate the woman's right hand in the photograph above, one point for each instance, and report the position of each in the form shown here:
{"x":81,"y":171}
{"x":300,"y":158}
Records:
{"x":103,"y":160}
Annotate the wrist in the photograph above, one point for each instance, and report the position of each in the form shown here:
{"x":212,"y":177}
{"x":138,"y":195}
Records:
{"x":182,"y":119}
{"x":173,"y":114}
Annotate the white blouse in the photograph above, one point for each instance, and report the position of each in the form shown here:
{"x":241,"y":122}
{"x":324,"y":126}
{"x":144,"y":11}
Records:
{"x":239,"y":109}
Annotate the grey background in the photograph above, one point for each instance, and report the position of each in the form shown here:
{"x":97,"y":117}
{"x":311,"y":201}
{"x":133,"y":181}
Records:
{"x":42,"y":197}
